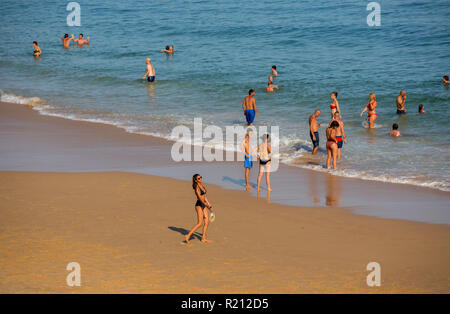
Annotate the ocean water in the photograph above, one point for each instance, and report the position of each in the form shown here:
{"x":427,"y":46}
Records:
{"x":222,"y":49}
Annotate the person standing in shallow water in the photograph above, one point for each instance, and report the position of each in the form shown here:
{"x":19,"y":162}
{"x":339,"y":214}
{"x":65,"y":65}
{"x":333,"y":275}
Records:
{"x":314,"y":130}
{"x":81,"y":41}
{"x":371,"y":107}
{"x":248,"y":157}
{"x":201,"y":207}
{"x":401,"y":100}
{"x":66,"y":40}
{"x":264,"y":155}
{"x":249,"y":107}
{"x":149,"y":71}
{"x":334,"y":106}
{"x":332,"y":148}
{"x":340,"y":132}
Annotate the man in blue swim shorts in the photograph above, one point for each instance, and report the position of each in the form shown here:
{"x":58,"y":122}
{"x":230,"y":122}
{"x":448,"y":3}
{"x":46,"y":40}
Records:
{"x":249,"y":107}
{"x":149,"y":71}
{"x":248,"y":158}
{"x":401,"y":100}
{"x":314,"y":130}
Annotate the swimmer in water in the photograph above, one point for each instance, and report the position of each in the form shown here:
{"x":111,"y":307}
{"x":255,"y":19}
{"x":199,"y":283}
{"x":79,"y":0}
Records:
{"x":395,"y":132}
{"x":149,"y":71}
{"x":401,"y":100}
{"x":168,"y":50}
{"x":274,"y":70}
{"x":36,"y":49}
{"x":249,"y":107}
{"x":334,"y":106}
{"x":340,"y":132}
{"x":332,"y":147}
{"x":80,"y":41}
{"x":270,"y":85}
{"x":314,"y":130}
{"x":371,"y":107}
{"x":445,"y":80}
{"x":421,"y":110}
{"x":66,"y":40}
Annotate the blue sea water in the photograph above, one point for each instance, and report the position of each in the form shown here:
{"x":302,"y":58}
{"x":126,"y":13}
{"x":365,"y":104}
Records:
{"x":222,"y":49}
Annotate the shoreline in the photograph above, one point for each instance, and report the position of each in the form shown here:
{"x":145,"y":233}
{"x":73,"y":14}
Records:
{"x":309,"y":163}
{"x":35,"y":142}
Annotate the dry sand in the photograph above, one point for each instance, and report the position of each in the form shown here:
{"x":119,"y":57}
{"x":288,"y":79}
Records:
{"x":126,"y":231}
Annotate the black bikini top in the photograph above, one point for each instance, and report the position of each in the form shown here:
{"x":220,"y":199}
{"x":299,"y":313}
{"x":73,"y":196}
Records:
{"x":201,"y":191}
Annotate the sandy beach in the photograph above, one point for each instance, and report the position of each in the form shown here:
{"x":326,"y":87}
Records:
{"x":126,"y":230}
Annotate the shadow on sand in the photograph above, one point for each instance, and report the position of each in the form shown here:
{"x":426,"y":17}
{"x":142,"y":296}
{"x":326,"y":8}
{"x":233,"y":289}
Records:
{"x":185,"y":232}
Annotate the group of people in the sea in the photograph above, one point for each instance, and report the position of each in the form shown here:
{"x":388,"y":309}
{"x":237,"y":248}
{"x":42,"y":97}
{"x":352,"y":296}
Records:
{"x":80,"y":41}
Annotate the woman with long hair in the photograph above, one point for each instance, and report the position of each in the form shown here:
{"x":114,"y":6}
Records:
{"x":332,"y":147}
{"x":200,"y":207}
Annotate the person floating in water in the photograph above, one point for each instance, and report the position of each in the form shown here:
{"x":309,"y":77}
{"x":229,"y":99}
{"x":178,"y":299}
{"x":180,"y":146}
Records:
{"x":340,"y":132}
{"x":249,"y":107}
{"x":421,"y":110}
{"x":274,"y":70}
{"x":314,"y":130}
{"x":36,"y":49}
{"x":395,"y":132}
{"x":66,"y":40}
{"x":81,"y":41}
{"x":401,"y":100}
{"x":200,"y":207}
{"x":149,"y":71}
{"x":168,"y":50}
{"x":248,"y":157}
{"x":270,"y":85}
{"x":334,"y":106}
{"x":332,"y":146}
{"x":371,"y":107}
{"x":445,"y":80}
{"x":264,"y":155}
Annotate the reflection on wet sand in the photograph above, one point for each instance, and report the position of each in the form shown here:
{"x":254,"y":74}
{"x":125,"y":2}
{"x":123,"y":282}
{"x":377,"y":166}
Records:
{"x":267,"y":197}
{"x":332,"y":197}
{"x":313,"y":188}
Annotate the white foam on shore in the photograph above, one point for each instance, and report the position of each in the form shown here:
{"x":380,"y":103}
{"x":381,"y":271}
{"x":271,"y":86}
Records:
{"x":287,"y":158}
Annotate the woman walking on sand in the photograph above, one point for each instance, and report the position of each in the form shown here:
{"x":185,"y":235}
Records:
{"x":264,"y":153}
{"x":202,"y":202}
{"x":332,"y":147}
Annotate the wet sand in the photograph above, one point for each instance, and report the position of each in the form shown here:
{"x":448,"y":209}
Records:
{"x":33,"y":142}
{"x":126,"y":230}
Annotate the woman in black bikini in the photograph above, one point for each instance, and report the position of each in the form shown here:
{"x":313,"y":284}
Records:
{"x":202,"y":202}
{"x":37,"y":50}
{"x":264,"y":155}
